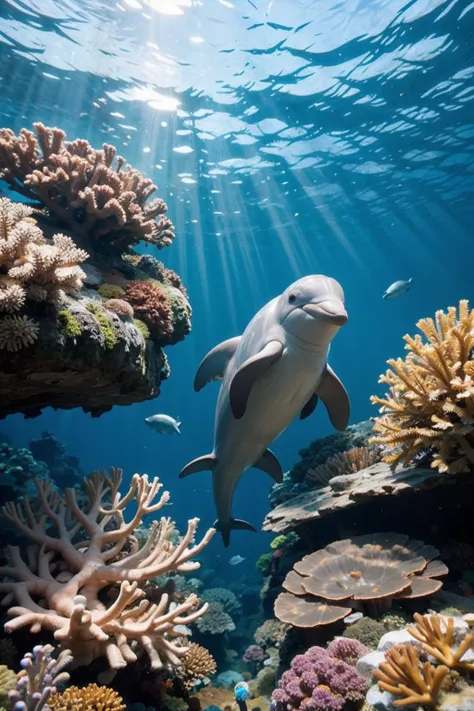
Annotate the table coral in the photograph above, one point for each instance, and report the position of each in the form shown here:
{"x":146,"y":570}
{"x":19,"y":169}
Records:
{"x":86,"y":542}
{"x":430,"y":405}
{"x":85,"y":188}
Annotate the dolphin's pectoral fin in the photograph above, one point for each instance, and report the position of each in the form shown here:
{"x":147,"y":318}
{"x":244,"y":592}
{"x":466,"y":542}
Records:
{"x":249,"y":373}
{"x":201,"y":464}
{"x":212,"y":367}
{"x":310,"y":407}
{"x":269,"y":463}
{"x":333,"y":393}
{"x":235,"y":524}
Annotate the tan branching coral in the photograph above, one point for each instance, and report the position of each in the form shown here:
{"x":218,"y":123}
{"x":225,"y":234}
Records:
{"x":436,"y":634}
{"x":83,"y":187}
{"x":198,"y":664}
{"x":371,"y":569}
{"x":350,"y":462}
{"x":17,"y":332}
{"x":75,"y":555}
{"x":31,"y":267}
{"x":430,"y":404}
{"x":402,"y":674}
{"x":88,"y":698}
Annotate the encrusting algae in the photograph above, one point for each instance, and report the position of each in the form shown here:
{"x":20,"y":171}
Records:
{"x":430,"y":406}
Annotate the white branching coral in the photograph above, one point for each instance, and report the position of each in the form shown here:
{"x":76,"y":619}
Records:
{"x":30,"y":267}
{"x":79,"y":552}
{"x":17,"y":332}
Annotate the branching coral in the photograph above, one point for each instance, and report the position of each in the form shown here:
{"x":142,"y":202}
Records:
{"x":39,"y":678}
{"x":198,"y":664}
{"x":402,"y":674}
{"x":17,"y":332}
{"x":350,"y":462}
{"x":29,"y":265}
{"x":88,"y":698}
{"x":371,"y":569}
{"x":430,"y":405}
{"x":75,"y":555}
{"x":150,"y":306}
{"x":83,"y":188}
{"x":436,"y":633}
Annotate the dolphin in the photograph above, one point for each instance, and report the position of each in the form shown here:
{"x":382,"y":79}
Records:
{"x":275,"y":370}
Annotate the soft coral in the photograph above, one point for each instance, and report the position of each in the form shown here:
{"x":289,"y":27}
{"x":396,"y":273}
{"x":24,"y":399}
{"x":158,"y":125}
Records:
{"x":150,"y":306}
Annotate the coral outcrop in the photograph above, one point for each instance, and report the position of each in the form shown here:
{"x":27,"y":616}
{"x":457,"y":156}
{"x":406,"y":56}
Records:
{"x":39,"y":678}
{"x":87,"y":698}
{"x":77,"y":552}
{"x":430,"y":406}
{"x":198,"y":665}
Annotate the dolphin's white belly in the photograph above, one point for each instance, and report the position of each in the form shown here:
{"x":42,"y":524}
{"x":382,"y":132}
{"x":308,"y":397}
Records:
{"x":275,"y":400}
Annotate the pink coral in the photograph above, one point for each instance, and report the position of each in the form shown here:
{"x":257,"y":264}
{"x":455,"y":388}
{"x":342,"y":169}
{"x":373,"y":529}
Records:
{"x":253,"y":653}
{"x":322,"y":699}
{"x":120,"y":307}
{"x":349,"y":650}
{"x":150,"y":306}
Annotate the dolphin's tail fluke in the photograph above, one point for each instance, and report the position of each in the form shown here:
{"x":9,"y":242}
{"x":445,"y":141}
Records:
{"x":235,"y":524}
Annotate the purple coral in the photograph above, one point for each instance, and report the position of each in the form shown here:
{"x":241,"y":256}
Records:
{"x":317,"y":681}
{"x":254,"y":653}
{"x":349,"y":650}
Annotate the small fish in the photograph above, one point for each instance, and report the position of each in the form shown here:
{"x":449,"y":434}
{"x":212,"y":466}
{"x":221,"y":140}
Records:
{"x":236,"y":559}
{"x":397,"y":289}
{"x":164,"y":424}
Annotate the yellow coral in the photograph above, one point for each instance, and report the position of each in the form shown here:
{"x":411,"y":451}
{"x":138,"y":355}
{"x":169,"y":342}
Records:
{"x":7,"y":682}
{"x":198,"y":663}
{"x":89,"y":698}
{"x":436,"y":633}
{"x":430,"y":406}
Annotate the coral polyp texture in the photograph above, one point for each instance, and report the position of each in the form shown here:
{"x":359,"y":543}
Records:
{"x":198,"y":665}
{"x":87,"y":698}
{"x":91,"y":191}
{"x":39,"y":678}
{"x":372,"y":570}
{"x":78,"y":551}
{"x":150,"y":305}
{"x":350,"y":462}
{"x":429,"y":409}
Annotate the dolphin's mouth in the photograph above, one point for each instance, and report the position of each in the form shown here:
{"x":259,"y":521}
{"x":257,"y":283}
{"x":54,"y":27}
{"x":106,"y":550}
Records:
{"x":329,"y":311}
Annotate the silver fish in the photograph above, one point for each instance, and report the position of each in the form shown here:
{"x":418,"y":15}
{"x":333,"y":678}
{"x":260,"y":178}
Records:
{"x":236,"y":559}
{"x":163,"y":424}
{"x":397,"y":288}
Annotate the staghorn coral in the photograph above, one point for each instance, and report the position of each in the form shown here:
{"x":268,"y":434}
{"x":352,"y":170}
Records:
{"x":350,"y":462}
{"x":430,"y":404}
{"x":81,"y":187}
{"x":17,"y":332}
{"x":32,"y":267}
{"x":75,"y":555}
{"x":436,"y":635}
{"x":39,"y":678}
{"x":89,"y":698}
{"x":150,"y":306}
{"x":402,"y":674}
{"x":198,"y":664}
{"x":216,"y":620}
{"x":371,"y":569}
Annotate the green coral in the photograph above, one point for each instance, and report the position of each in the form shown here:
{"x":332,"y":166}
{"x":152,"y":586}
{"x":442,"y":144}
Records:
{"x":70,"y":326}
{"x":393,"y":621}
{"x":111,"y":291}
{"x":106,"y":326}
{"x":367,"y":631}
{"x":180,"y":309}
{"x":264,"y":564}
{"x":450,"y":612}
{"x":143,"y":328}
{"x":278,"y":542}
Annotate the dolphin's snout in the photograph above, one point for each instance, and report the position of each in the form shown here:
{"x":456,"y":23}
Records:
{"x":330,"y":311}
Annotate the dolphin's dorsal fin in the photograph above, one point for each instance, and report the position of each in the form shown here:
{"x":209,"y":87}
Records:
{"x":310,"y":407}
{"x":248,"y":374}
{"x":269,"y":463}
{"x":201,"y":464}
{"x":333,"y":393}
{"x":213,"y":366}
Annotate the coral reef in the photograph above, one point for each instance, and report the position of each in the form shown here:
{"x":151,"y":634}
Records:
{"x":349,"y":650}
{"x":271,"y":632}
{"x":198,"y":665}
{"x":39,"y":678}
{"x":7,"y":683}
{"x":225,"y":597}
{"x":88,"y":548}
{"x":216,"y":621}
{"x":166,"y":317}
{"x":430,"y":406}
{"x":348,"y":462}
{"x":82,"y":189}
{"x":89,"y":698}
{"x":366,"y":631}
{"x":120,"y":307}
{"x":17,"y":469}
{"x":372,"y":570}
{"x":17,"y":332}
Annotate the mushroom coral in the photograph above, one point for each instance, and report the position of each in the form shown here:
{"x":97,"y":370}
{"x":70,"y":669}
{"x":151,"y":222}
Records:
{"x":82,"y":549}
{"x":430,"y":405}
{"x":371,"y":570}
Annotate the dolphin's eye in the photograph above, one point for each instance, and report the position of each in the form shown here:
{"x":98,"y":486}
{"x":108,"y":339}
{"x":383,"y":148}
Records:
{"x":292,"y":298}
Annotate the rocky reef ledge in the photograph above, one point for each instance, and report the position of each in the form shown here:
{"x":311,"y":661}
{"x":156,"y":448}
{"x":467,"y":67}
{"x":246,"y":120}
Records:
{"x":84,"y":317}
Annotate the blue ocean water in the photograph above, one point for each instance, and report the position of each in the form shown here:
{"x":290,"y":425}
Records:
{"x":288,"y":137}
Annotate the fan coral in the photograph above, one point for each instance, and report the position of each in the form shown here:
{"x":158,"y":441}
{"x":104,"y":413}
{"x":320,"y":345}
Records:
{"x":81,"y":187}
{"x":430,"y":405}
{"x":120,"y":307}
{"x":348,"y":650}
{"x":150,"y":306}
{"x":226,"y":598}
{"x":29,"y":265}
{"x":313,"y":673}
{"x":39,"y":678}
{"x":198,"y":664}
{"x":350,"y":462}
{"x":89,"y":698}
{"x":216,"y":621}
{"x":76,"y":555}
{"x":17,"y":332}
{"x":371,"y":569}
